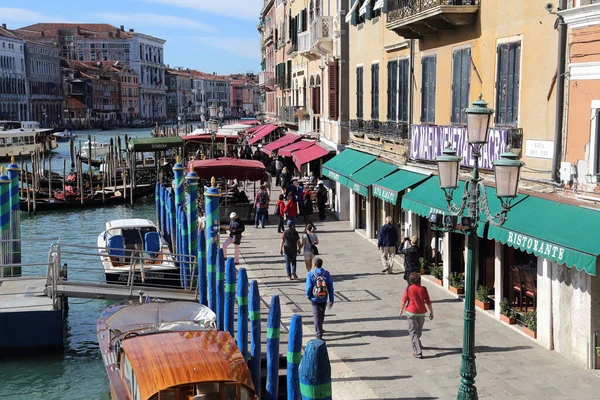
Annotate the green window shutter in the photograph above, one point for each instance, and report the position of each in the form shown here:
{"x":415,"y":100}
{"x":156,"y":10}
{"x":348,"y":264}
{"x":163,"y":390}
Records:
{"x":354,"y":20}
{"x":369,"y":13}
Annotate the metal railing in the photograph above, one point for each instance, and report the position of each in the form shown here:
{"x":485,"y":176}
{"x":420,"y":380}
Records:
{"x":287,"y":114}
{"x":320,"y":29}
{"x":402,"y":9}
{"x":390,"y":130}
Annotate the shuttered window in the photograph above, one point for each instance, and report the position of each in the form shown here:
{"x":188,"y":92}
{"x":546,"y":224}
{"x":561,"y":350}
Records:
{"x":428,"y":89}
{"x":403,"y":90}
{"x":359,"y":92}
{"x":507,"y":83}
{"x":316,"y":100}
{"x":392,"y":93}
{"x":461,"y":69}
{"x":375,"y":92}
{"x":289,"y":75}
{"x":333,"y":90}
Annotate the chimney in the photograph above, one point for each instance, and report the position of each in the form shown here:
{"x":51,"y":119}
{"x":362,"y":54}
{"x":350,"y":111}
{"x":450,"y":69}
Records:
{"x":3,"y":26}
{"x":123,"y":28}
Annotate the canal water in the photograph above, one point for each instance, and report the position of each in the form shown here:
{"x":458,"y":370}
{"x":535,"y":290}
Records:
{"x":77,"y":373}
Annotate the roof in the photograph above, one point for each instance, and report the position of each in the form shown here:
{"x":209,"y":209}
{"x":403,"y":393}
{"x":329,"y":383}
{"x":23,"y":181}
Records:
{"x":164,"y":360}
{"x":8,"y":34}
{"x":230,"y":168}
{"x":129,"y":223}
{"x":90,"y":30}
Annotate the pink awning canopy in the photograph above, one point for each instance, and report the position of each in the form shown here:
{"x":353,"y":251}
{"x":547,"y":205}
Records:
{"x":281,"y":142}
{"x":288,"y":150}
{"x":230,"y":168}
{"x":260,"y":134}
{"x":309,"y":154}
{"x":249,"y":122}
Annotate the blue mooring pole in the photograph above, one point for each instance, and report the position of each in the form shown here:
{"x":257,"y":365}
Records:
{"x":158,"y":204}
{"x":202,"y":268}
{"x":211,"y":201}
{"x":294,"y":355}
{"x":273,"y":327}
{"x":5,"y":245}
{"x":185,"y":266}
{"x":192,"y":222}
{"x":15,"y":216}
{"x":230,"y":278}
{"x":315,"y":372}
{"x":220,"y":289}
{"x":254,"y":313}
{"x":242,"y":320}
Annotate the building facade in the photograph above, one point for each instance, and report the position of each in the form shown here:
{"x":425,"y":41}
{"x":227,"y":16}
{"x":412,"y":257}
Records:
{"x":147,"y":59}
{"x":180,"y":98}
{"x":13,"y":77}
{"x":267,"y":29}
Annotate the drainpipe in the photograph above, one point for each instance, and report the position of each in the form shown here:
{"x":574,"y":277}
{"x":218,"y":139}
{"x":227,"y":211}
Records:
{"x":560,"y":93}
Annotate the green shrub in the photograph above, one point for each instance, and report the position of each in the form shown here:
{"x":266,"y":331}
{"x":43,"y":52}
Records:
{"x":437,"y":271}
{"x":506,"y":310}
{"x":482,"y":293}
{"x":530,"y":320}
{"x":426,"y":265}
{"x":457,"y":280}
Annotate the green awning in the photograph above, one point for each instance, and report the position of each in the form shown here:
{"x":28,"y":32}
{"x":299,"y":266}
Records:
{"x":340,"y":167}
{"x":366,"y":176}
{"x":388,"y":188}
{"x":155,"y":143}
{"x":561,"y":233}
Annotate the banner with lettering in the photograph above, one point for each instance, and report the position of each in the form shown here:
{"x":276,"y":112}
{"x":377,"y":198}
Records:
{"x":427,"y":142}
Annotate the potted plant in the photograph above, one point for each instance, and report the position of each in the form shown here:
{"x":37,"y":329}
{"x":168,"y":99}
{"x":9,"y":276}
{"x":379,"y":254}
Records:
{"x":507,"y":314}
{"x":530,"y":324}
{"x":437,"y":272}
{"x":425,"y":265}
{"x":457,"y":283}
{"x":481,"y":298}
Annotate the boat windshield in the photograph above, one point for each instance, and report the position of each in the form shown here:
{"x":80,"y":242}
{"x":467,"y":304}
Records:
{"x":134,"y":238}
{"x":206,"y":391}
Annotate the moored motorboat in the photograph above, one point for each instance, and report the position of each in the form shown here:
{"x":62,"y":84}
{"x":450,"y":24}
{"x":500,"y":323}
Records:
{"x":99,"y":150}
{"x":132,"y":250}
{"x":64,"y":136}
{"x":170,"y":350}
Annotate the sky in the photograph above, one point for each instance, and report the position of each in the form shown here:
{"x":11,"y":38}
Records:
{"x":207,"y":35}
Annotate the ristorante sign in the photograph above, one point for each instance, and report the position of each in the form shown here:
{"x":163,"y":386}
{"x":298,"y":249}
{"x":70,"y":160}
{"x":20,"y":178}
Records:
{"x":537,"y":246}
{"x":427,"y":142}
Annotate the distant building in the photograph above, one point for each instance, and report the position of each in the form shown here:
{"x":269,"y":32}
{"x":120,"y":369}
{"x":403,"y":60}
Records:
{"x":180,"y":98}
{"x":13,"y":77}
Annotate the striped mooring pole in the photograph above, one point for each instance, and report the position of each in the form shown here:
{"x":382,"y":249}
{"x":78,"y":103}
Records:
{"x":192,"y":221}
{"x":273,"y":328}
{"x":211,"y":201}
{"x":242,"y":320}
{"x":315,"y":372}
{"x":294,"y":355}
{"x":254,"y":313}
{"x":5,"y":247}
{"x":158,"y":205}
{"x":220,"y":275}
{"x":202,"y":268}
{"x":230,"y":278}
{"x":15,"y":216}
{"x":178,"y":186}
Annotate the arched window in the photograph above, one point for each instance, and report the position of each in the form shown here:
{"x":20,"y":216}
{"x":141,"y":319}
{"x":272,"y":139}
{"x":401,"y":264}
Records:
{"x":311,"y":11}
{"x":312,"y":81}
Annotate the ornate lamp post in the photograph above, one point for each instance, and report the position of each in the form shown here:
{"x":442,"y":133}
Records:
{"x":213,"y":127}
{"x":474,"y":201}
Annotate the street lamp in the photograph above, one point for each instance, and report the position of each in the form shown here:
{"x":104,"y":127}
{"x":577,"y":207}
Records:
{"x":474,"y":201}
{"x":213,"y":127}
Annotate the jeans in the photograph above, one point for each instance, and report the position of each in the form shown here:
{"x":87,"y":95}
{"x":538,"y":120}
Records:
{"x":318,"y":310}
{"x":290,"y":262}
{"x":260,"y":215}
{"x":415,"y":329}
{"x":278,"y":177}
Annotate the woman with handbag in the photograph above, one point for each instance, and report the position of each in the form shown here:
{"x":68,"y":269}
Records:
{"x":309,"y":244}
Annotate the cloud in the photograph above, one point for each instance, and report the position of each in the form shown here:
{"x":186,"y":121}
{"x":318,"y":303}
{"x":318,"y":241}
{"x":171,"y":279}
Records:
{"x":154,"y":20}
{"x":237,"y":46}
{"x":25,"y":16}
{"x":242,"y":9}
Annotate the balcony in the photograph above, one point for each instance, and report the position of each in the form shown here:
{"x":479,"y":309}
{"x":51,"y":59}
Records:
{"x":266,"y":79}
{"x":390,"y":130}
{"x":304,"y":46}
{"x":321,"y":32}
{"x":414,"y":19}
{"x":292,"y":50}
{"x":287,"y":115}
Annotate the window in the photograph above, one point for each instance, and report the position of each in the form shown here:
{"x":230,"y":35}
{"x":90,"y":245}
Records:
{"x":507,"y":83}
{"x":105,"y":45}
{"x":428,"y":89}
{"x":461,"y":70}
{"x":333,"y":90}
{"x":81,"y":56}
{"x":80,"y":45}
{"x":105,"y":55}
{"x":375,"y":92}
{"x":392,"y":90}
{"x":92,"y":45}
{"x":597,"y":146}
{"x":93,"y":56}
{"x":359,"y":92}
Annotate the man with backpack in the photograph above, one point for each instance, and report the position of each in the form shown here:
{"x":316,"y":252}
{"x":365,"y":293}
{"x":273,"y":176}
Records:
{"x":261,"y":206}
{"x":319,"y":288}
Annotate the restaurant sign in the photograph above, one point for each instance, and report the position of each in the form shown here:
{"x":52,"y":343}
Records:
{"x":334,"y":175}
{"x":537,"y":246}
{"x":391,"y":196}
{"x":427,"y":142}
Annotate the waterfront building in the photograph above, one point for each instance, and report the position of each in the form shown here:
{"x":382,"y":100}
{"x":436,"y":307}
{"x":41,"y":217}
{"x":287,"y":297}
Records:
{"x":236,"y":97}
{"x":128,"y":87}
{"x":266,"y":78}
{"x":13,"y":77}
{"x":244,"y":95}
{"x":78,"y":88}
{"x":180,"y":98}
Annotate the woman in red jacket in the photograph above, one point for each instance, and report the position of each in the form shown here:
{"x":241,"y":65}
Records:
{"x":291,"y":209}
{"x":415,"y":299}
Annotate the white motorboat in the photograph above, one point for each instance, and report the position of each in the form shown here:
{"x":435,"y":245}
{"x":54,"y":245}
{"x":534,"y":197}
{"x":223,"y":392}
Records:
{"x":21,"y":139}
{"x":64,"y":136}
{"x":99,"y":150}
{"x":132,"y":250}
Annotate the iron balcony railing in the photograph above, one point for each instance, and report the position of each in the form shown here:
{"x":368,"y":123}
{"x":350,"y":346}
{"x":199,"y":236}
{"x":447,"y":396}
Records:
{"x":287,"y":114}
{"x":382,"y":129}
{"x":402,"y":9}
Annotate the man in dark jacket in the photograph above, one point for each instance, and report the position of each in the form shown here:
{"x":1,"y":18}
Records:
{"x":321,"y":199}
{"x":412,"y":253}
{"x":236,"y":228}
{"x":386,"y":242}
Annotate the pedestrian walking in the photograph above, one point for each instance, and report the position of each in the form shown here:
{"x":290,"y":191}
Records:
{"x":291,"y":209}
{"x":308,"y":211}
{"x":412,"y":253}
{"x":414,"y":300}
{"x":268,"y":179}
{"x":290,"y":247}
{"x":319,"y":289}
{"x":280,"y":213}
{"x":300,"y":197}
{"x":236,"y":228}
{"x":386,"y":242}
{"x":261,"y":206}
{"x":286,"y":178}
{"x":278,"y":169}
{"x":321,"y":199}
{"x":309,"y":243}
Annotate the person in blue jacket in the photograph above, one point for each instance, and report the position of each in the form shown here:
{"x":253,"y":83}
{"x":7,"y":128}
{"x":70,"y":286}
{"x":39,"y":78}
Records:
{"x":319,"y":289}
{"x":386,"y":242}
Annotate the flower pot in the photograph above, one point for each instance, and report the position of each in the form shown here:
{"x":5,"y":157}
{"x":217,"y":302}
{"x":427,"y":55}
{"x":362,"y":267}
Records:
{"x":484,"y":305}
{"x":456,"y":291}
{"x":438,"y":281}
{"x":505,"y":319}
{"x":422,"y":272}
{"x":529,"y":332}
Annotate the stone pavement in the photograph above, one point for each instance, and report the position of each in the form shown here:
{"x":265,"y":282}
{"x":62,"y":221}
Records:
{"x":370,"y":350}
